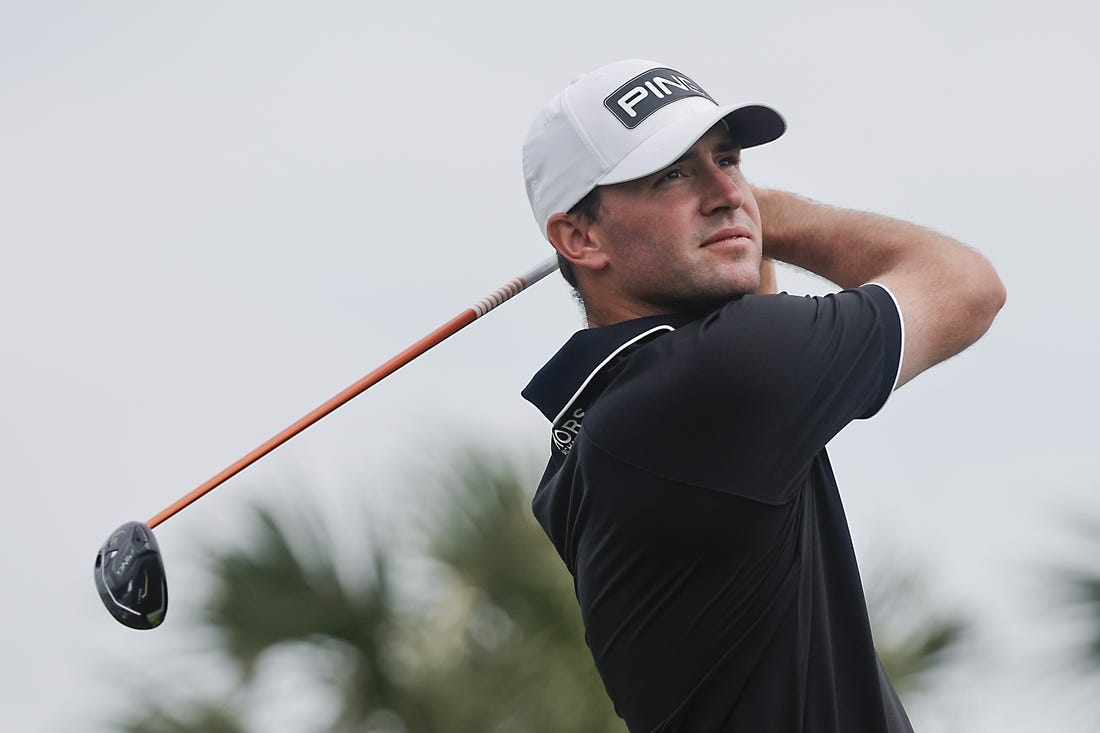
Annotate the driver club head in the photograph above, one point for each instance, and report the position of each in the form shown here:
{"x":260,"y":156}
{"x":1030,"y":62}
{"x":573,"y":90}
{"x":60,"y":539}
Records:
{"x":129,"y":576}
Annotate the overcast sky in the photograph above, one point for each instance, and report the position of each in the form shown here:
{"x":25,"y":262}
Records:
{"x":213,"y":216}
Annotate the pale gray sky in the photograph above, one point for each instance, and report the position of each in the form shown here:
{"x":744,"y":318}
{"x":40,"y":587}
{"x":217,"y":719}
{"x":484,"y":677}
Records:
{"x":213,"y":216}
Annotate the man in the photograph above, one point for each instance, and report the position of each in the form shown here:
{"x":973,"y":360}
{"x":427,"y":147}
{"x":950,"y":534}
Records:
{"x":688,"y":488}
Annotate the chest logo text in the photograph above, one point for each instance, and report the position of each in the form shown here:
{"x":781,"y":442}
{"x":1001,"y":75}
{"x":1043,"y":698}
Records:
{"x":565,"y":433}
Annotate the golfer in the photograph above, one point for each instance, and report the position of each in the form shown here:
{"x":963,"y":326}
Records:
{"x":688,"y":488}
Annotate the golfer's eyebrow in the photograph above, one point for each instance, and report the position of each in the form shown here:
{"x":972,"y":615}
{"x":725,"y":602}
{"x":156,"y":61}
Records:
{"x":728,"y":145}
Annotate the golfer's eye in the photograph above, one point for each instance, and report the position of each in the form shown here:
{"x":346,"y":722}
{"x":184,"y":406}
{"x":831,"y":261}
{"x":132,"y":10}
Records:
{"x":730,"y":161}
{"x":670,"y":175}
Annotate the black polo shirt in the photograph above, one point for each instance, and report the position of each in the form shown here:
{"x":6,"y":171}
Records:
{"x":690,"y":495}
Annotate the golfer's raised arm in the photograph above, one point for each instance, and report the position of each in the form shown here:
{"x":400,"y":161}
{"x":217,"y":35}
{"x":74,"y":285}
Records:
{"x":948,"y":293}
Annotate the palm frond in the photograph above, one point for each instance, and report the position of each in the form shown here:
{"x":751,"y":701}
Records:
{"x":914,"y":639}
{"x":201,"y":718}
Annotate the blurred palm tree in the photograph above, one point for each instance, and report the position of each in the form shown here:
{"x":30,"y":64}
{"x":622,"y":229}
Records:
{"x":493,"y":644}
{"x":1077,"y":586}
{"x":489,"y":640}
{"x":524,"y":633}
{"x":1085,"y":589}
{"x":1071,"y":591}
{"x":207,"y":717}
{"x":914,"y":641}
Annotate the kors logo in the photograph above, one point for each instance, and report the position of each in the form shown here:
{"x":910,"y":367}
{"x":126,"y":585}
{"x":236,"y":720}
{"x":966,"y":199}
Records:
{"x":566,"y":432}
{"x":646,"y":93}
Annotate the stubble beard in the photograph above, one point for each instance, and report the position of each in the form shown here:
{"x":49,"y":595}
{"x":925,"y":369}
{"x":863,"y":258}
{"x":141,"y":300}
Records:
{"x":702,"y":289}
{"x":700,"y":298}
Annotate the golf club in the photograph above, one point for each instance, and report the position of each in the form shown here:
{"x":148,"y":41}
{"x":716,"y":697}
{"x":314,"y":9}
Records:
{"x":129,"y":572}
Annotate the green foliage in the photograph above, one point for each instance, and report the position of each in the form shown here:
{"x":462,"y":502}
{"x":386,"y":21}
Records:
{"x":207,"y":718}
{"x":913,"y":641}
{"x":524,"y":664}
{"x":284,"y":591}
{"x":1087,"y":590}
{"x":496,"y":645}
{"x":491,"y":642}
{"x":1075,"y":588}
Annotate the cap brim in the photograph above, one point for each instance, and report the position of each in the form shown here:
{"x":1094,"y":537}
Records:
{"x":751,"y":124}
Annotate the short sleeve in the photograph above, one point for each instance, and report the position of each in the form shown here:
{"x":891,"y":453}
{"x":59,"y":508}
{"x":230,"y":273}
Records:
{"x":743,"y":399}
{"x":893,"y":338}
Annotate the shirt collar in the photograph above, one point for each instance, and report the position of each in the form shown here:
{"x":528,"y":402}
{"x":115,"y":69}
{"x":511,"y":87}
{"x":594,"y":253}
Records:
{"x":562,"y":379}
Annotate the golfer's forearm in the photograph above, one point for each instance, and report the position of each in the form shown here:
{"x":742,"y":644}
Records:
{"x":947,"y":292}
{"x":768,"y":285}
{"x":848,"y":247}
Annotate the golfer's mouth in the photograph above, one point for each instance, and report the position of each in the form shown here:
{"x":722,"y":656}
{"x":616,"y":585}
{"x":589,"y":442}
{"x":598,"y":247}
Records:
{"x":730,"y":235}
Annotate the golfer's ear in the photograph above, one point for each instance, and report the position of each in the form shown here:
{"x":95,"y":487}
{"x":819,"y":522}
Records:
{"x":575,"y":240}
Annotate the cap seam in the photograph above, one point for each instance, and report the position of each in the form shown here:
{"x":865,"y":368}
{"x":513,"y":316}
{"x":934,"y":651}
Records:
{"x":567,"y":105}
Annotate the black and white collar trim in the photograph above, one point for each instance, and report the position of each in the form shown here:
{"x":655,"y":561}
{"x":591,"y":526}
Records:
{"x":610,"y":357}
{"x":561,"y":382}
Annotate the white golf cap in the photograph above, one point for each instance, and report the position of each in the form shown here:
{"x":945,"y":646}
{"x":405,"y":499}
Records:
{"x":624,"y":121}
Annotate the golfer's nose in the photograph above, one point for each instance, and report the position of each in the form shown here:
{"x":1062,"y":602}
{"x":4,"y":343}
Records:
{"x":721,"y":189}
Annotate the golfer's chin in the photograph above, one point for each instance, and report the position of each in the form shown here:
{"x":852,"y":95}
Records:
{"x":733,"y":283}
{"x":707,"y":300}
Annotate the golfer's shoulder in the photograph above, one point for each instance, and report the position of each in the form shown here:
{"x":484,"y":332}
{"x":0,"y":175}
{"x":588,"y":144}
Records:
{"x":758,"y":337}
{"x":784,"y":318}
{"x":780,"y":307}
